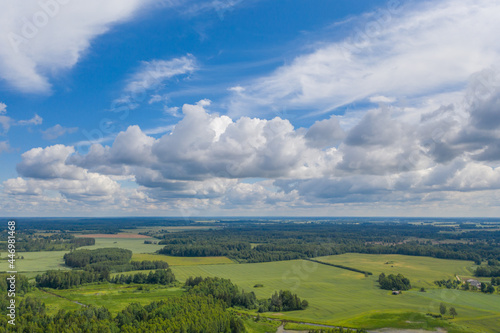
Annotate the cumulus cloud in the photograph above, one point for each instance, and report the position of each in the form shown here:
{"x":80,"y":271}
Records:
{"x":416,"y":157}
{"x":51,"y":35}
{"x":399,"y":51}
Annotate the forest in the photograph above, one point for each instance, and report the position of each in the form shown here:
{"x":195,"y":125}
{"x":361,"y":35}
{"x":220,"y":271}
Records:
{"x":275,"y":243}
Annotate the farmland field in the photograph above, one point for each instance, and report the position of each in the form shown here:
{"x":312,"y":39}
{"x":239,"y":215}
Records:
{"x":183,"y":261}
{"x":37,"y":261}
{"x":423,"y":271}
{"x":136,"y":245}
{"x":338,"y":296}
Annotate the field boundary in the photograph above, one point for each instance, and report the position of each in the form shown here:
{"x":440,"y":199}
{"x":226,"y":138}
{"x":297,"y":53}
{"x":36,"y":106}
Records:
{"x":341,"y":266}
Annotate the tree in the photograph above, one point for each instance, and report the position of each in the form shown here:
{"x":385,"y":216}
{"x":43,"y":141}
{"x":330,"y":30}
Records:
{"x":442,"y":309}
{"x":453,"y":312}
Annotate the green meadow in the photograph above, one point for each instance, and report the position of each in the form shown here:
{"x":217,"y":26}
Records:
{"x":182,"y":261}
{"x":336,"y":296}
{"x":422,"y":271}
{"x":116,"y":297}
{"x":37,"y":262}
{"x":341,"y":297}
{"x":136,"y":245}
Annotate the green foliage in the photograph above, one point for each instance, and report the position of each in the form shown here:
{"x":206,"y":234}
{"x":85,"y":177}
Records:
{"x":222,"y":289}
{"x":160,"y":276}
{"x":68,"y":279}
{"x":21,"y":283}
{"x":487,"y":288}
{"x":394,"y":282}
{"x":82,"y":258}
{"x":187,"y":314}
{"x":27,"y":242}
{"x":302,"y":241}
{"x":453,"y":312}
{"x":442,"y":309}
{"x":282,"y":301}
{"x":450,"y":283}
{"x":488,"y":271}
{"x":495,"y":281}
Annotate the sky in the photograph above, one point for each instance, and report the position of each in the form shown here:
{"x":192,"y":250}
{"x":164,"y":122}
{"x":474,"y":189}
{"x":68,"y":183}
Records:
{"x":249,"y":108}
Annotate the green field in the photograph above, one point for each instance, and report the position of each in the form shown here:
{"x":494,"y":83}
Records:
{"x":336,"y":296}
{"x":183,"y":261}
{"x":54,"y":303}
{"x":422,"y":271}
{"x":342,"y":297}
{"x":136,"y":245}
{"x":37,"y":262}
{"x":116,"y":297}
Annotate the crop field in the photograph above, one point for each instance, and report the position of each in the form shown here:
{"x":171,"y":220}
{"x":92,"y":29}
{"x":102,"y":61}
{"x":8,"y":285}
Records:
{"x":338,"y":296}
{"x":34,"y":262}
{"x":116,"y":297}
{"x":118,"y":235}
{"x":422,"y":271}
{"x":183,"y":261}
{"x":136,"y":245}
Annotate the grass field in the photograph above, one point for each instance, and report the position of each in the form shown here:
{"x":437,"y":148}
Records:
{"x":342,"y":297}
{"x":422,"y":271}
{"x":183,"y":261}
{"x":53,"y":303}
{"x":116,"y":297}
{"x":37,"y":262}
{"x":336,"y":296}
{"x":136,"y":245}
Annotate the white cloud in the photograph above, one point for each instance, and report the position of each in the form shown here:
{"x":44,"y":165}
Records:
{"x":153,"y":73}
{"x":38,"y":37}
{"x":36,"y":120}
{"x":421,"y":158}
{"x":57,"y":131}
{"x":4,"y":146}
{"x":5,"y":121}
{"x":382,"y":99}
{"x":412,"y":52}
{"x":3,"y":108}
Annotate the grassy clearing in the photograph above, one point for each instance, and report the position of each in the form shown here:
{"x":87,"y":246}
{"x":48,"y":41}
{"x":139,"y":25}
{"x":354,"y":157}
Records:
{"x":261,"y":326}
{"x":53,"y":303}
{"x":183,"y":261}
{"x":422,"y":271}
{"x":136,"y":245}
{"x":35,"y":262}
{"x":116,"y":297}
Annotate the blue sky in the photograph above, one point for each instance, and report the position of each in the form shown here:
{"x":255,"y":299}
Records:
{"x":228,"y":107}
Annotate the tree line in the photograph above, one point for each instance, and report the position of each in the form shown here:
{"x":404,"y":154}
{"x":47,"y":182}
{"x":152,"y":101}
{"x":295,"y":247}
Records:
{"x":68,"y":279}
{"x":27,"y":242}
